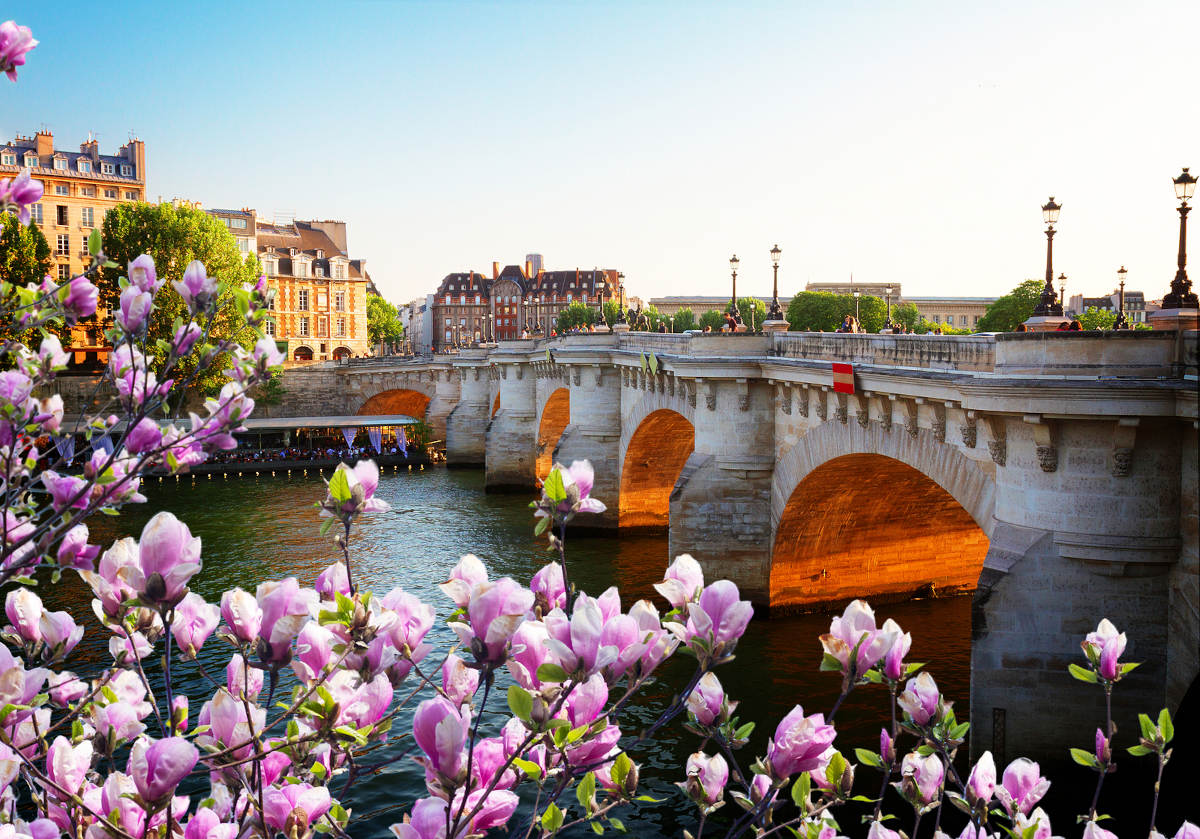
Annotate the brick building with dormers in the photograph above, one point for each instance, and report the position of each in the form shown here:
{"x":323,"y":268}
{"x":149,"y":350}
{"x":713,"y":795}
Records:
{"x":469,"y":307}
{"x":318,"y":294}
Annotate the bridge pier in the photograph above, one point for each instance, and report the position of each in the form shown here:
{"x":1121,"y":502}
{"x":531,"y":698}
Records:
{"x":466,"y":427}
{"x":594,"y":434}
{"x":511,"y":437}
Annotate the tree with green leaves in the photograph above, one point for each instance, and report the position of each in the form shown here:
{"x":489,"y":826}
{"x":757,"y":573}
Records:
{"x":24,"y":259}
{"x":576,"y":314}
{"x":1095,"y":318}
{"x":655,"y":317}
{"x":753,"y":312}
{"x":383,"y":322}
{"x":1013,"y":308}
{"x":906,"y":315}
{"x":610,"y":312}
{"x":712,"y":320}
{"x":684,"y":320}
{"x":174,"y":237}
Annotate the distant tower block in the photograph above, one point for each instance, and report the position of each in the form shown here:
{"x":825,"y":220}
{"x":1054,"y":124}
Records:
{"x":535,"y":261}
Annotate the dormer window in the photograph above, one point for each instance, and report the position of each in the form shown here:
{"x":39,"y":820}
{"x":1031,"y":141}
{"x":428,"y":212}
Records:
{"x":126,"y":171}
{"x":339,"y":271}
{"x":320,"y":271}
{"x":320,"y":254}
{"x":270,"y":249}
{"x":31,"y":161}
{"x":291,"y":251}
{"x":8,"y":158}
{"x":85,"y":165}
{"x":60,"y":163}
{"x":106,"y":168}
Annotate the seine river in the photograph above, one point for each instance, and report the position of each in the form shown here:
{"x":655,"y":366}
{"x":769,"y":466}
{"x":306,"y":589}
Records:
{"x":263,"y":528}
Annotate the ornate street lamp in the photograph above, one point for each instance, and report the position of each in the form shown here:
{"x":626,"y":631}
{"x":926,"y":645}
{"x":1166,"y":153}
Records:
{"x":888,"y":323}
{"x":1048,"y":305}
{"x":733,"y":307}
{"x":776,"y":312}
{"x":1062,"y":292}
{"x":1122,"y":322}
{"x":857,"y":294}
{"x":1181,"y":295}
{"x":621,"y":298}
{"x":491,"y":328}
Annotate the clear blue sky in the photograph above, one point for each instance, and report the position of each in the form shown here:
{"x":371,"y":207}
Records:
{"x":907,"y":142}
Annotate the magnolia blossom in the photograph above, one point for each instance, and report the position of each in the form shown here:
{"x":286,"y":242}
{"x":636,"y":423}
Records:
{"x":459,"y":682}
{"x":440,"y":730}
{"x":1094,"y":831}
{"x":79,"y":297}
{"x":707,"y":702}
{"x":878,"y":831}
{"x":1037,"y":820}
{"x":242,"y":614}
{"x":853,"y":635}
{"x":24,"y":610}
{"x":206,"y":824}
{"x":135,"y":306}
{"x":333,"y":580}
{"x":15,"y":42}
{"x":715,"y":622}
{"x":981,"y":783}
{"x":1021,"y":787}
{"x":706,"y":779}
{"x":22,"y":190}
{"x":194,"y":621}
{"x":293,"y":807}
{"x":578,"y":480}
{"x":922,"y":777}
{"x":169,"y":556}
{"x":196,"y":288}
{"x":468,"y":574}
{"x":66,"y":765}
{"x":494,"y":612}
{"x":362,"y":479}
{"x":893,"y":660}
{"x":798,"y":744}
{"x":412,"y":620}
{"x":921,"y":699}
{"x":548,"y":587}
{"x":683,"y":581}
{"x":285,"y":609}
{"x":158,"y":767}
{"x":1104,"y":648}
{"x":142,"y":274}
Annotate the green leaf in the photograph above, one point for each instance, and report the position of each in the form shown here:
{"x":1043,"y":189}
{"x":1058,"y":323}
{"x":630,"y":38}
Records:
{"x":318,"y":769}
{"x":1125,"y":668}
{"x":520,"y":702}
{"x":551,"y":672}
{"x":553,"y":488}
{"x":325,"y":525}
{"x":620,"y":769}
{"x":868,"y":757}
{"x":1084,"y":758}
{"x":835,"y":768}
{"x":653,"y":360}
{"x":1166,"y":726}
{"x":800,"y":791}
{"x":829,"y":664}
{"x":93,"y":244}
{"x":960,"y":731}
{"x":339,"y":487}
{"x":650,"y":799}
{"x":552,"y":819}
{"x":585,"y":790}
{"x":743,"y":732}
{"x":618,"y":825}
{"x":528,"y":767}
{"x":1140,"y":751}
{"x":1082,"y":673}
{"x":597,"y":829}
{"x":542,"y":523}
{"x":1149,"y":732}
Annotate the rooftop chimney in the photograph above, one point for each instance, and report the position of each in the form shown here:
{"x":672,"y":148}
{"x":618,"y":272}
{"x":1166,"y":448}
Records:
{"x":45,"y":143}
{"x":91,"y":148}
{"x":528,"y":269}
{"x":495,"y":270}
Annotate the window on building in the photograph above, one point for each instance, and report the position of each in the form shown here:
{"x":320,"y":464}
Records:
{"x":110,"y":193}
{"x":35,"y":212}
{"x":303,"y":327}
{"x":341,"y":327}
{"x":62,"y":214}
{"x":64,"y":244}
{"x":977,"y":320}
{"x":31,"y":161}
{"x":320,"y":253}
{"x":291,"y":251}
{"x":87,"y":216}
{"x":339,"y":271}
{"x":321,"y":327}
{"x":87,"y":191}
{"x":60,"y":163}
{"x":302,"y":298}
{"x":85,"y":165}
{"x":126,"y":171}
{"x":62,"y":189}
{"x":83,"y":240}
{"x":447,"y":299}
{"x":64,"y":272}
{"x":131,"y":195}
{"x":449,"y":336}
{"x":243,"y":244}
{"x":476,"y":299}
{"x":963,"y":320}
{"x":937,"y":318}
{"x":8,"y":159}
{"x":269,"y":327}
{"x":106,"y":168}
{"x":462,"y":299}
{"x":299,"y":269}
{"x":269,"y":267}
{"x":320,"y":271}
{"x":339,"y":301}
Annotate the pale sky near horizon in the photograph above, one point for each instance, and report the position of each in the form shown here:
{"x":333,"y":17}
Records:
{"x":904,"y":142}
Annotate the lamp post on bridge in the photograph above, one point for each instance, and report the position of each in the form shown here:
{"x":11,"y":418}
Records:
{"x":857,"y":294}
{"x":1048,"y":305}
{"x":1122,"y":321}
{"x":776,"y":312}
{"x":887,"y":324}
{"x":1181,"y":295}
{"x":1062,"y":293}
{"x":733,"y":306}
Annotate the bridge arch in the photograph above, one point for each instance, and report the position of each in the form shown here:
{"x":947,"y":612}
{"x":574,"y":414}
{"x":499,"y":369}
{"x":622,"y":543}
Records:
{"x":653,"y":457}
{"x":880,"y":515}
{"x":555,"y":415}
{"x":412,"y":403}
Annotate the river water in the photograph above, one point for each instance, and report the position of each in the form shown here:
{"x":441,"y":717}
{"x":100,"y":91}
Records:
{"x":263,"y":528}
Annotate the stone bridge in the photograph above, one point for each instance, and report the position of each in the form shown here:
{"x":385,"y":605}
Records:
{"x":1055,"y":474}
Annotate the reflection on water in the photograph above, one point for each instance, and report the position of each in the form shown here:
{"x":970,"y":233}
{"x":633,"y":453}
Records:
{"x":256,"y":529}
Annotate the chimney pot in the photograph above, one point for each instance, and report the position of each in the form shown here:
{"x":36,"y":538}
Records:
{"x":528,"y":269}
{"x":495,"y":270}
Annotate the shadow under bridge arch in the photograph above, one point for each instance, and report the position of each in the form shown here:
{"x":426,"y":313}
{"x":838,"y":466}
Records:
{"x":656,"y":454}
{"x":555,"y":415}
{"x":411,"y":403}
{"x":870,"y":526}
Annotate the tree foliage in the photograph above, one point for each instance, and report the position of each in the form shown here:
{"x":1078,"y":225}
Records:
{"x":24,"y":259}
{"x":1094,"y":318}
{"x":712,"y":320}
{"x":610,"y":312}
{"x":906,"y":315}
{"x":175,"y":236}
{"x":753,"y":312}
{"x":1013,"y":308}
{"x":576,"y":314}
{"x":684,"y":320}
{"x":823,"y":311}
{"x":383,"y":322}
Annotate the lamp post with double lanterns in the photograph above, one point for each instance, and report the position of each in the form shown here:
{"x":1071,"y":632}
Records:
{"x":733,"y":306}
{"x":1181,"y":295}
{"x":776,"y":312}
{"x":1122,"y":321}
{"x":1048,"y":305}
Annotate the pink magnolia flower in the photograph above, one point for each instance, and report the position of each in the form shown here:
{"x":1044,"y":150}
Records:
{"x":458,"y":680}
{"x":24,"y":610}
{"x":362,"y":480}
{"x":333,"y":581}
{"x":853,"y":631}
{"x":15,"y":42}
{"x":716,"y":621}
{"x":74,"y":550}
{"x":134,"y":310}
{"x":1022,"y":787}
{"x":413,"y":619}
{"x":59,"y":633}
{"x":66,"y":491}
{"x":658,"y":644}
{"x":118,"y":722}
{"x":549,"y":588}
{"x":179,"y":712}
{"x":80,"y":297}
{"x":1094,"y":831}
{"x":495,"y":611}
{"x":1102,"y":750}
{"x":464,"y":578}
{"x":529,"y":652}
{"x":925,"y":774}
{"x":158,"y":767}
{"x":142,"y":274}
{"x":578,"y":480}
{"x":126,"y":648}
{"x":169,"y":556}
{"x":488,"y":759}
{"x":117,"y":797}
{"x":981,"y":783}
{"x":22,"y":190}
{"x":314,"y":652}
{"x":196,"y":288}
{"x":426,"y":821}
{"x":683,"y":581}
{"x":206,"y":824}
{"x":887,"y":747}
{"x":194,"y":621}
{"x":185,"y":338}
{"x":66,"y":688}
{"x":893,"y":660}
{"x":1038,"y":820}
{"x":707,"y":701}
{"x":601,"y":746}
{"x":240,"y":677}
{"x":921,"y":699}
{"x":586,"y":703}
{"x":577,"y":642}
{"x":799,"y":743}
{"x":67,"y":765}
{"x":1187,"y":830}
{"x":706,"y":779}
{"x":242,"y":614}
{"x":293,"y":807}
{"x":143,"y":437}
{"x":973,"y":832}
{"x":1104,"y":648}
{"x":285,"y":609}
{"x":440,"y":730}
{"x":229,"y":724}
{"x":878,"y":831}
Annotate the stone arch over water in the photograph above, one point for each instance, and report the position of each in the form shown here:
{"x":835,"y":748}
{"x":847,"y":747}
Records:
{"x":555,"y":415}
{"x":410,"y":403}
{"x":657,"y":450}
{"x":876,"y":516}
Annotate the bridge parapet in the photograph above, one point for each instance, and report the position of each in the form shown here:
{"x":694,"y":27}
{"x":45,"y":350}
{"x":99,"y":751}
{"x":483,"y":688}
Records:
{"x":1140,"y":354}
{"x":960,"y":353}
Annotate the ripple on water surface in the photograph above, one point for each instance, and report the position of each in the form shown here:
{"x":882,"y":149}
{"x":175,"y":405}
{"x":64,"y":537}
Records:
{"x":264,"y":528}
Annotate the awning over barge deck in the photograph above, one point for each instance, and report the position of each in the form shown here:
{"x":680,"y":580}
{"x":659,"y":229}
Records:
{"x":361,"y":420}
